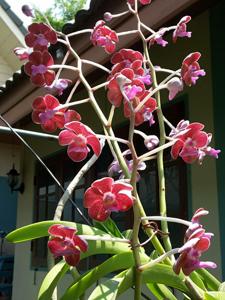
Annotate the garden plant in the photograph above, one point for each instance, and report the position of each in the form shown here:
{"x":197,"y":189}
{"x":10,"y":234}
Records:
{"x":132,"y":85}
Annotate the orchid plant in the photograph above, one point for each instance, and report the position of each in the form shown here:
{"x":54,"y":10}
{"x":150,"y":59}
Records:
{"x":132,"y":85}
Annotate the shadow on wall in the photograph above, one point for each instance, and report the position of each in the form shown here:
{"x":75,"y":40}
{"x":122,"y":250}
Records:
{"x":8,"y":209}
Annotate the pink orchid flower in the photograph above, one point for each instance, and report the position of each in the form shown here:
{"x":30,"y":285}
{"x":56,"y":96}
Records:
{"x":37,"y":68}
{"x":181,"y":29}
{"x":105,"y":196}
{"x":47,"y":112}
{"x":104,"y":36}
{"x":192,"y":143}
{"x":65,"y":242}
{"x":132,"y":87}
{"x":196,"y":241}
{"x":190,"y":69}
{"x":40,"y":36}
{"x":78,"y":137}
{"x":143,"y":114}
{"x":22,"y":53}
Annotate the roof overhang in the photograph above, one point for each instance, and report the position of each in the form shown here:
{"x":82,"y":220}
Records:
{"x":15,"y":102}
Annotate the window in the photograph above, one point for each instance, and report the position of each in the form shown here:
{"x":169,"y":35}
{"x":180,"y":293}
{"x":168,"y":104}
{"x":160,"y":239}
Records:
{"x":48,"y":193}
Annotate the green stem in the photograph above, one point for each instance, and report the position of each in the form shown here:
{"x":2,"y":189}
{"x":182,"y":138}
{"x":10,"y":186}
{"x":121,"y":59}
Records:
{"x":160,"y":164}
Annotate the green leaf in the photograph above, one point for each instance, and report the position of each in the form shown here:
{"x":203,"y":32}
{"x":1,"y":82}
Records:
{"x":107,"y":290}
{"x":128,"y":234}
{"x":40,"y":229}
{"x":110,"y":227}
{"x":214,"y":296}
{"x":51,"y":279}
{"x":197,"y":280}
{"x":160,"y":291}
{"x":222,"y":287}
{"x":164,"y":274}
{"x":117,"y":262}
{"x":210,"y":281}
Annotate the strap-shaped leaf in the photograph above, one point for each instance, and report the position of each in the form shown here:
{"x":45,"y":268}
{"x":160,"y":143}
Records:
{"x":110,"y":227}
{"x":112,"y":288}
{"x":40,"y":229}
{"x":160,"y":291}
{"x":51,"y":280}
{"x":117,"y":262}
{"x":210,"y":281}
{"x":164,"y":274}
{"x":214,"y":296}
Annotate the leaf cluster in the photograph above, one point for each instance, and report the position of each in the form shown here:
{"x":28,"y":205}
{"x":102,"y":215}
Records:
{"x":62,"y":11}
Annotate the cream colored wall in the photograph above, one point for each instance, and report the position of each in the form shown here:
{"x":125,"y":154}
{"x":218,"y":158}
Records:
{"x":203,"y":178}
{"x":5,"y":71}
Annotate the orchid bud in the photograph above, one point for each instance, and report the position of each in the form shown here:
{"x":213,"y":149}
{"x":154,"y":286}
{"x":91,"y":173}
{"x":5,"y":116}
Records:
{"x":174,"y":86}
{"x":22,"y":53}
{"x":108,"y":16}
{"x":151,"y":142}
{"x":28,"y":11}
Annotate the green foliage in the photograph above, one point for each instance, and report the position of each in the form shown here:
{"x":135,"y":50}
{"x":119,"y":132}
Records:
{"x":214,"y":296}
{"x":109,"y":226}
{"x":63,"y":11}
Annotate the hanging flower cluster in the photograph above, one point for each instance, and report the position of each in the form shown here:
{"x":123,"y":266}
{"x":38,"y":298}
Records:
{"x":39,"y":38}
{"x":196,"y":241}
{"x":127,"y":83}
{"x":192,"y":143}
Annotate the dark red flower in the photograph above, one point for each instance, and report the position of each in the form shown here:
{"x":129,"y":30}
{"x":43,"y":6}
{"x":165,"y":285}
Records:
{"x":47,"y":112}
{"x":37,"y":68}
{"x":65,"y":242}
{"x":196,"y":241}
{"x":126,"y":81}
{"x":105,"y":196}
{"x":40,"y":36}
{"x":104,"y":36}
{"x":190,"y":69}
{"x":145,"y":113}
{"x":78,"y":137}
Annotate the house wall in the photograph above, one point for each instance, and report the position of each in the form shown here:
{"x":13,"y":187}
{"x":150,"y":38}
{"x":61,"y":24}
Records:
{"x":8,"y":200}
{"x":202,"y":179}
{"x":5,"y":71}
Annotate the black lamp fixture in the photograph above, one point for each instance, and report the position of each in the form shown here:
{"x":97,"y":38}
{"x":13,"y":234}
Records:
{"x":13,"y":180}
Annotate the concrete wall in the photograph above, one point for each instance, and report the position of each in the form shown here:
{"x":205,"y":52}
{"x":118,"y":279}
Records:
{"x":202,"y":190}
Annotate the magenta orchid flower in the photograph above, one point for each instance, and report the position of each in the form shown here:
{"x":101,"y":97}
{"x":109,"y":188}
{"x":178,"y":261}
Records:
{"x":181,"y":29}
{"x":40,"y":36}
{"x":105,"y":196}
{"x":190,"y":69}
{"x":65,"y":242}
{"x":158,"y":38}
{"x":196,"y":241}
{"x":78,"y":137}
{"x":143,"y":114}
{"x":47,"y":112}
{"x":58,"y":86}
{"x":127,"y":58}
{"x":37,"y":68}
{"x":192,"y":143}
{"x":132,"y":87}
{"x":104,"y":36}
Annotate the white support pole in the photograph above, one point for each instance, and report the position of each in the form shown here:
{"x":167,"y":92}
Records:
{"x":29,"y":133}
